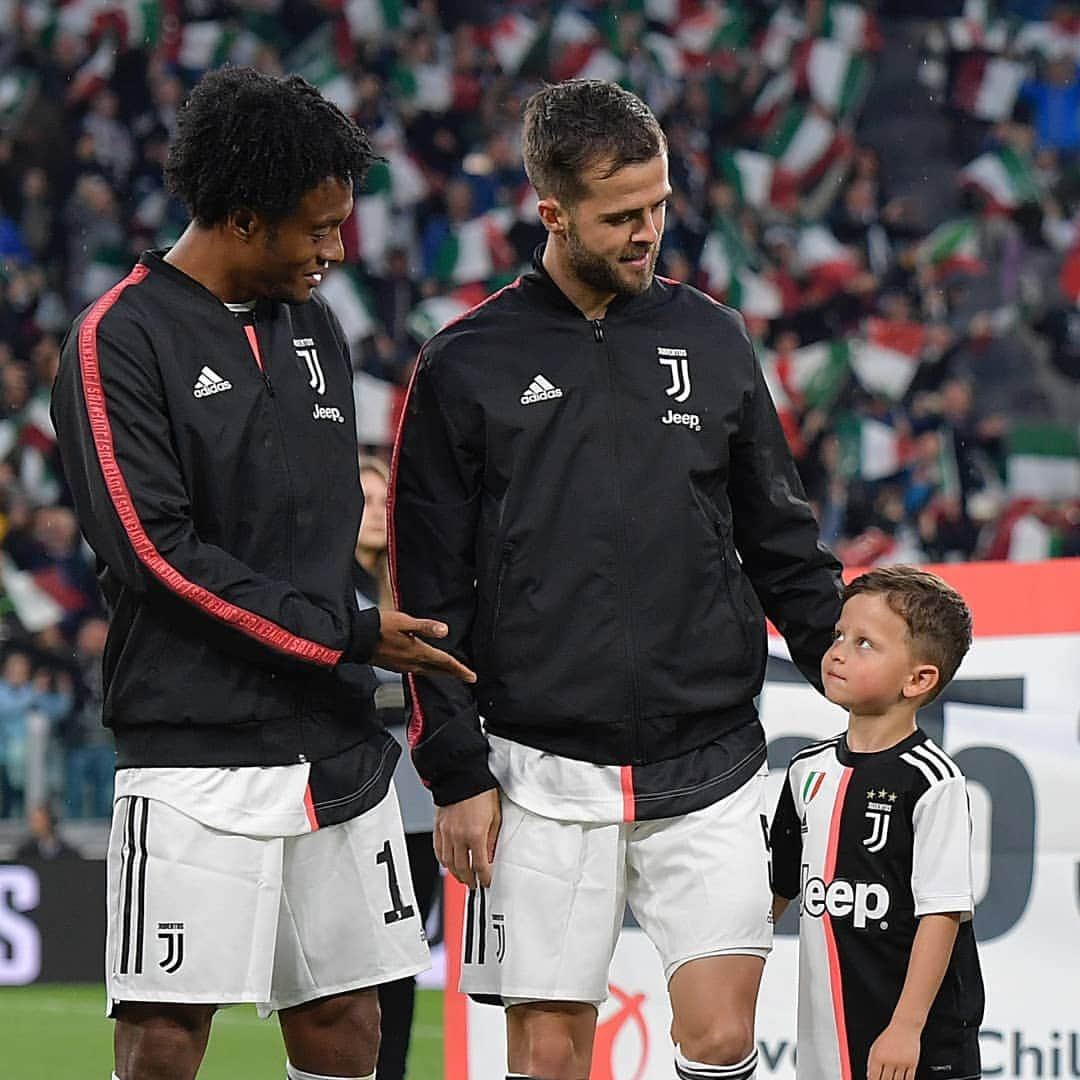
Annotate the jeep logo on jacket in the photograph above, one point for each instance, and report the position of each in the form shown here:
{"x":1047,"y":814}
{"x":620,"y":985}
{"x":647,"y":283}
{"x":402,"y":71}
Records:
{"x":599,"y":511}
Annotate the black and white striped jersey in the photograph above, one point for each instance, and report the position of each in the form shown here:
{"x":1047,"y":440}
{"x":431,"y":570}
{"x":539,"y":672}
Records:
{"x":871,"y":843}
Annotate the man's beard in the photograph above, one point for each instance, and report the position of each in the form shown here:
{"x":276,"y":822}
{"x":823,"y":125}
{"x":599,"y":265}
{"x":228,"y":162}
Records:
{"x":596,"y":272}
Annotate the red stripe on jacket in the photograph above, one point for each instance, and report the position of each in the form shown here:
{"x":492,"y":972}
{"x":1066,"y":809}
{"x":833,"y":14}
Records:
{"x":255,"y":626}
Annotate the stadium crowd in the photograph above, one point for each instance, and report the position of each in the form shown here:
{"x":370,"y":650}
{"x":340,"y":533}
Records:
{"x":892,"y":200}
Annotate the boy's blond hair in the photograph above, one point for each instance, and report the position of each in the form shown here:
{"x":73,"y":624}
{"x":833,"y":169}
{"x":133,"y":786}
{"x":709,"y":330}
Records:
{"x":937,"y":618}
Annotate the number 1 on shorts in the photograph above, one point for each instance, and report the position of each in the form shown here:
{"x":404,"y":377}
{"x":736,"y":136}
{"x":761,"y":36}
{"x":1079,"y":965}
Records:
{"x":399,"y":910}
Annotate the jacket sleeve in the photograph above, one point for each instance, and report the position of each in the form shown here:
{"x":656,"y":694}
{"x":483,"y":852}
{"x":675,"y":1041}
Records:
{"x":785,"y":844}
{"x":114,"y":434}
{"x":796,"y":578}
{"x":434,"y":510}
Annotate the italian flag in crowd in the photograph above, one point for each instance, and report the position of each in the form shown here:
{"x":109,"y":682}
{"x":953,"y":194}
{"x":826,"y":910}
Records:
{"x":372,"y":20}
{"x":986,"y":87}
{"x":774,"y":44}
{"x":870,"y":447}
{"x":475,"y":250}
{"x":366,"y":232}
{"x":835,"y":77}
{"x":885,"y":359}
{"x":852,"y":25}
{"x":431,"y":315}
{"x":1044,"y":461}
{"x":730,"y":277}
{"x":348,"y":297}
{"x":578,"y":51}
{"x":750,"y":173}
{"x":810,"y":377}
{"x":513,"y":39}
{"x":823,"y":259}
{"x":804,"y":143}
{"x":715,"y":28}
{"x":770,"y":103}
{"x":953,"y":246}
{"x":18,"y":88}
{"x":1004,"y":177}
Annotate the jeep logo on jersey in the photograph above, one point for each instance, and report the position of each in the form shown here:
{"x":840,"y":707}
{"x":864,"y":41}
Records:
{"x":677,"y":360}
{"x":863,"y":901}
{"x":305,"y":349}
{"x":324,"y":412}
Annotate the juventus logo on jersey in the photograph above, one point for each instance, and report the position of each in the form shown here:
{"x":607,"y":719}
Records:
{"x":172,"y":933}
{"x":677,"y":360}
{"x":879,"y":807}
{"x":305,"y":349}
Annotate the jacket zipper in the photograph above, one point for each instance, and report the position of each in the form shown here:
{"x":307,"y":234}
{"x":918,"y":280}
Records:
{"x":725,"y":568}
{"x":496,"y":607}
{"x":625,"y":597}
{"x":253,"y":343}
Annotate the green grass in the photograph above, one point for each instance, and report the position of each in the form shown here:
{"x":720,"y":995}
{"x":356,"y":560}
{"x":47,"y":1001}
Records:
{"x":60,"y":1033}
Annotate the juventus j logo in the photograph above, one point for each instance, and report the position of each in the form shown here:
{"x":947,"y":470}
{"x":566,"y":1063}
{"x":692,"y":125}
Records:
{"x":305,"y":349}
{"x":879,"y":830}
{"x":498,"y":924}
{"x":676,"y":359}
{"x":172,"y":933}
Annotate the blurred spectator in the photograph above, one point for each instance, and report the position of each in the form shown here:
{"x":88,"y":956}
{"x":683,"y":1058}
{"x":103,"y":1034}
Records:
{"x":43,"y":843}
{"x":89,"y":756}
{"x":22,"y":691}
{"x":1055,"y":102}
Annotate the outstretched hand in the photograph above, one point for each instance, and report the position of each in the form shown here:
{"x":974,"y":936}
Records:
{"x":401,"y":648}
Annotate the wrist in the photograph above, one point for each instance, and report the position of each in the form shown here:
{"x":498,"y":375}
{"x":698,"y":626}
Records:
{"x":909,"y":1020}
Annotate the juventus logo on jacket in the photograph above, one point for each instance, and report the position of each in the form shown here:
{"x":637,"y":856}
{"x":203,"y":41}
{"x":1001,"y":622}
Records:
{"x":677,"y":360}
{"x":305,"y":349}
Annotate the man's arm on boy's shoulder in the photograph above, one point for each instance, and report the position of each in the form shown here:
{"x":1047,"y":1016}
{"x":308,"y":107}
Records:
{"x":895,"y":1052}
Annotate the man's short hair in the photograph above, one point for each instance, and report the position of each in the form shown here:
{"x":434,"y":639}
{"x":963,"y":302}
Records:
{"x":938,"y":620}
{"x":580,"y":124}
{"x":246,"y":140}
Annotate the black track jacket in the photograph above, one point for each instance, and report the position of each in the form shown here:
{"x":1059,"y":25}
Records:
{"x":223,"y":504}
{"x":601,"y":512}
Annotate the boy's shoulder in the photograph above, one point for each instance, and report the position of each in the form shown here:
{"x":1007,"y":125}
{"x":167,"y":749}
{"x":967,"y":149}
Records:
{"x":816,"y":751}
{"x":931,"y":765}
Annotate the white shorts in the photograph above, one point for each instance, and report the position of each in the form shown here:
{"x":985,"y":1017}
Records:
{"x":199,"y":916}
{"x":546,"y":928}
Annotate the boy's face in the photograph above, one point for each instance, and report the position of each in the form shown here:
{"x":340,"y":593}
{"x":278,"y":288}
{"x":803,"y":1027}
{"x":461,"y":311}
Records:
{"x":870,"y":666}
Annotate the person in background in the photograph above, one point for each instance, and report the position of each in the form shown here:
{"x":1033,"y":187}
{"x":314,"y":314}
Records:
{"x":89,"y":750}
{"x":371,"y":576}
{"x":43,"y":842}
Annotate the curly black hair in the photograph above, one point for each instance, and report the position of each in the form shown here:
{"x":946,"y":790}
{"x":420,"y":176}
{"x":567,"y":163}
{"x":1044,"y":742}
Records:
{"x":255,"y":141}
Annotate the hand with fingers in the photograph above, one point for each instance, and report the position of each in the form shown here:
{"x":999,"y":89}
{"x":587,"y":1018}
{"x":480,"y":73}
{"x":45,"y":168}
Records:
{"x":465,"y":836}
{"x":895,"y":1053}
{"x":401,"y":647}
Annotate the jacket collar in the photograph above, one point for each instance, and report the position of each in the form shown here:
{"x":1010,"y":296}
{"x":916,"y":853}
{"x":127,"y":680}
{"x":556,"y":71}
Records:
{"x":154,"y":260}
{"x":539,"y":287}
